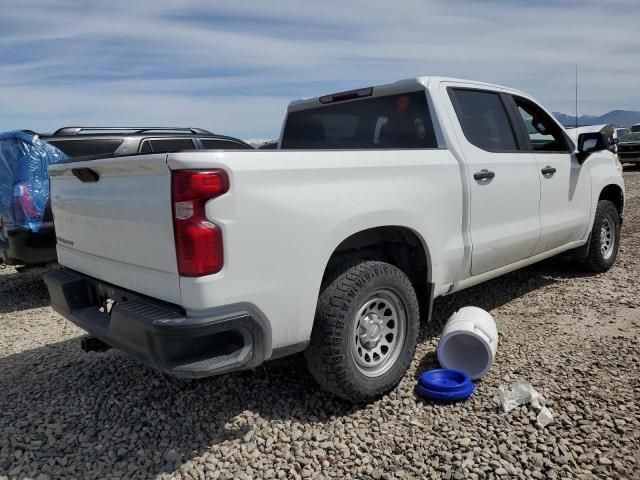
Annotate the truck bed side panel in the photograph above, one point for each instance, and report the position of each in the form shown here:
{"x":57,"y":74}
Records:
{"x":287,"y":211}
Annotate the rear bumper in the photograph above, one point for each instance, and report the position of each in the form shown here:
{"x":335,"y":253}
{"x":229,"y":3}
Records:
{"x":19,"y":246}
{"x":159,"y":334}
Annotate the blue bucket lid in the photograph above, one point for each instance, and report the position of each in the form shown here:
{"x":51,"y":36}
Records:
{"x":445,"y":384}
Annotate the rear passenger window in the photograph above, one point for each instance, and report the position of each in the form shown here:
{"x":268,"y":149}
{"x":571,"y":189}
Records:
{"x":393,"y":121}
{"x":484,"y":119}
{"x":212,"y":144}
{"x":145,"y":147}
{"x":86,"y":147}
{"x":162,"y":145}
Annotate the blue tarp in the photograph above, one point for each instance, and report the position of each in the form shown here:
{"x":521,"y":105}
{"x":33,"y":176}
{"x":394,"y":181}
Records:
{"x":24,"y":181}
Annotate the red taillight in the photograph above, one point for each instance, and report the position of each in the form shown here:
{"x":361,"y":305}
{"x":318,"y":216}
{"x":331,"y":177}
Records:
{"x":198,"y":241}
{"x":24,"y":205}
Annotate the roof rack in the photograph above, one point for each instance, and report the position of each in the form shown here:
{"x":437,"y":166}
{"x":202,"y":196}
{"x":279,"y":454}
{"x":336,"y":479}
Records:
{"x":79,"y":130}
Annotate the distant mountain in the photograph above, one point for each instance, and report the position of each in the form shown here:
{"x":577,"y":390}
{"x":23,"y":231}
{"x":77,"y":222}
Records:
{"x":620,"y":118}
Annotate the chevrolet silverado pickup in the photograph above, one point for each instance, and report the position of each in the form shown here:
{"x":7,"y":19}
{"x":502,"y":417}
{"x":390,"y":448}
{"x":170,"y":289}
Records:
{"x":375,"y":202}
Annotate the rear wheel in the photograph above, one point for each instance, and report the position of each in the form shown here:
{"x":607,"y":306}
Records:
{"x":605,"y":237}
{"x":365,"y":332}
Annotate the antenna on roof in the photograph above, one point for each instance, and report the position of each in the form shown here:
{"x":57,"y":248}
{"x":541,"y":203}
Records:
{"x":576,"y":98}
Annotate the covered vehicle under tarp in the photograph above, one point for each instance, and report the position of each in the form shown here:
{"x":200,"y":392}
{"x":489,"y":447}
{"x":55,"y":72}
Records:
{"x":24,"y":181}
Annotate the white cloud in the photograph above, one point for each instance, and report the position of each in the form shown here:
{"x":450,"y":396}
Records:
{"x":233,"y":66}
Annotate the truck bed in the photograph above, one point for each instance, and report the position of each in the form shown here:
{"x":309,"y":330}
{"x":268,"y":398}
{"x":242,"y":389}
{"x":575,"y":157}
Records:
{"x":282,"y":218}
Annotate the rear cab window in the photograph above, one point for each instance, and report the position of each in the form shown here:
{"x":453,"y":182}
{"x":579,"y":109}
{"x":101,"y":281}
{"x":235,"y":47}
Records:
{"x":399,"y":121}
{"x":484,"y":119}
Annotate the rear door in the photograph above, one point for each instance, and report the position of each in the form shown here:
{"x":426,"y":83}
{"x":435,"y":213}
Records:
{"x":565,"y":195}
{"x":504,"y":185}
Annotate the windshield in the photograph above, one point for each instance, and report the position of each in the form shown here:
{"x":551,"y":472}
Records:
{"x":631,"y":137}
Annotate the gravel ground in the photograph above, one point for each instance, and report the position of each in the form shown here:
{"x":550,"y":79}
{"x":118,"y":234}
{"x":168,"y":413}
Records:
{"x":574,"y":336}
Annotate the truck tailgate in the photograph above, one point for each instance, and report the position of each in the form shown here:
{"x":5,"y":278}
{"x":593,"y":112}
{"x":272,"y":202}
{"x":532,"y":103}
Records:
{"x":117,"y":225}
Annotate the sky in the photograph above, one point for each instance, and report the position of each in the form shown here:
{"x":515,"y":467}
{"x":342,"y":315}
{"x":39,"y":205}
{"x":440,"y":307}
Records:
{"x":232,"y":67}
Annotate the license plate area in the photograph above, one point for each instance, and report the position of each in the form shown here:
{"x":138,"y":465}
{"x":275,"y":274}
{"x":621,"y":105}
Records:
{"x":95,"y":301}
{"x":107,"y":297}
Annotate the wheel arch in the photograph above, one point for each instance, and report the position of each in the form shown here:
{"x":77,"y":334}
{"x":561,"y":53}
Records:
{"x":395,"y":244}
{"x":614,"y":193}
{"x":611,"y":191}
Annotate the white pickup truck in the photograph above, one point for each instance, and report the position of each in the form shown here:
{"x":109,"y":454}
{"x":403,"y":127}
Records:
{"x":377,"y":201}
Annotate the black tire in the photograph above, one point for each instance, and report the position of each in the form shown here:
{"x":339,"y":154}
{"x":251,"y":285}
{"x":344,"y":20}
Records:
{"x":600,"y":259}
{"x":336,"y":354}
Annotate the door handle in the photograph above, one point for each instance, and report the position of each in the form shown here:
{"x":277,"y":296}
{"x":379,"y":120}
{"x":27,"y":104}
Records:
{"x":548,"y":170}
{"x":484,"y":174}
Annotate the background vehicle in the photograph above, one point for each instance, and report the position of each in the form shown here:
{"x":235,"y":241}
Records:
{"x":629,"y":148}
{"x":377,"y":201}
{"x":635,"y":128}
{"x":19,"y":246}
{"x":619,"y":133}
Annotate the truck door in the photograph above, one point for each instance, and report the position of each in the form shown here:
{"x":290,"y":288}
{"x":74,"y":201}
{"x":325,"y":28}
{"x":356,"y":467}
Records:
{"x":504,"y":185}
{"x":565,"y":195}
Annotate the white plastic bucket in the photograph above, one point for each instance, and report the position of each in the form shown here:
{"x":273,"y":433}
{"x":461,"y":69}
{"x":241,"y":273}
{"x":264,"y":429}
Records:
{"x":468,"y":342}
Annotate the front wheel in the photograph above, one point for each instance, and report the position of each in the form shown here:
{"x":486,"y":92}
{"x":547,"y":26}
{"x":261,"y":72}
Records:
{"x":365,"y":332}
{"x":605,"y":237}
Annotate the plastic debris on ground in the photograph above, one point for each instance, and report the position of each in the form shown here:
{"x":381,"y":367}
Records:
{"x":24,"y":181}
{"x":468,"y":342}
{"x":445,"y":385}
{"x":521,"y":393}
{"x":545,"y":417}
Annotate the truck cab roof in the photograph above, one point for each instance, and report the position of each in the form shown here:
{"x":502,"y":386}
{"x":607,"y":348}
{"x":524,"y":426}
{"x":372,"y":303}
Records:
{"x":400,"y":86}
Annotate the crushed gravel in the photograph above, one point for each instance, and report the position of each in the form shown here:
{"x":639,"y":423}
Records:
{"x":574,"y":336}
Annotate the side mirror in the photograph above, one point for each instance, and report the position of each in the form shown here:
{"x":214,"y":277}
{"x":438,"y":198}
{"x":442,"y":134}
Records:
{"x":589,"y":143}
{"x":539,"y":126}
